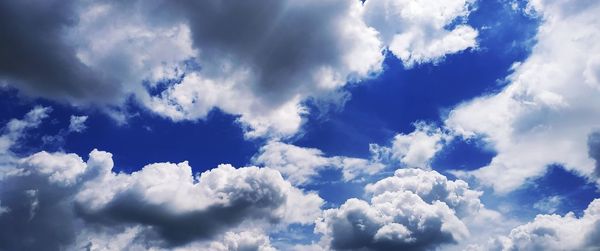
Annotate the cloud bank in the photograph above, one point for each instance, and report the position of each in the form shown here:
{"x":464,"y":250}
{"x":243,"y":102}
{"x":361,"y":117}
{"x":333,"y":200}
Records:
{"x":259,"y":61}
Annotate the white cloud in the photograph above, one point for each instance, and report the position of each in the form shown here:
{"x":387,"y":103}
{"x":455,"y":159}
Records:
{"x":413,"y":210}
{"x":545,"y":115}
{"x":417,"y":149}
{"x":300,"y":165}
{"x":417,"y":31}
{"x":554,"y":232}
{"x":77,"y":123}
{"x":162,"y":205}
{"x":247,"y":240}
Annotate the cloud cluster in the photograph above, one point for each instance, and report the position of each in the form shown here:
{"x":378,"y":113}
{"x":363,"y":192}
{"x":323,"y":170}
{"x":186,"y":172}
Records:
{"x":413,"y":210}
{"x":259,"y":61}
{"x":543,"y":116}
{"x":55,"y":201}
{"x":554,"y":232}
{"x":300,"y":165}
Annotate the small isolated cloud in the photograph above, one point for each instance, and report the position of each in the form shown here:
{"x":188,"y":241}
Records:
{"x":77,"y":123}
{"x":413,"y":210}
{"x":416,"y":149}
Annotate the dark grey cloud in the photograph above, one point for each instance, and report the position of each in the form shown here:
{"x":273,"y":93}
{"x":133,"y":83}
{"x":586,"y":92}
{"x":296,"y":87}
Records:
{"x":35,"y":57}
{"x":594,"y":149}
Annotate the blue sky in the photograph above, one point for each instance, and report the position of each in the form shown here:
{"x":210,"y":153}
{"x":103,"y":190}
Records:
{"x":475,"y":111}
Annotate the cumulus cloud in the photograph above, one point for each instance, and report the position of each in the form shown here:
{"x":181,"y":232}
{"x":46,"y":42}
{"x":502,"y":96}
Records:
{"x":542,"y":116}
{"x":416,"y":149}
{"x":258,"y":61}
{"x":417,"y":31}
{"x":300,"y":165}
{"x":56,"y":200}
{"x":413,"y":210}
{"x":554,"y":232}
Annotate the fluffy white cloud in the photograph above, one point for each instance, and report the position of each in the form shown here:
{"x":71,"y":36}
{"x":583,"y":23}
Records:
{"x":258,"y":61}
{"x":58,"y":200}
{"x":417,"y":31}
{"x":413,"y":210}
{"x":416,"y":149}
{"x":300,"y":165}
{"x":546,"y":114}
{"x":554,"y":232}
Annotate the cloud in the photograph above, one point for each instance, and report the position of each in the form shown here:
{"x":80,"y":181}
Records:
{"x":77,"y":123}
{"x":416,"y":149}
{"x":181,"y":60}
{"x":543,"y":116}
{"x":554,"y":232}
{"x":418,"y":31}
{"x":37,"y":59}
{"x":413,"y":210}
{"x":57,"y":200}
{"x":242,"y":241}
{"x":301,"y":165}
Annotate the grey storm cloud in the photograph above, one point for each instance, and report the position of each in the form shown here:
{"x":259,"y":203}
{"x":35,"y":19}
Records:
{"x":35,"y":57}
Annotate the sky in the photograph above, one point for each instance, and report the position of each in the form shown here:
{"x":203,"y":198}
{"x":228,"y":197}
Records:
{"x":300,"y":125}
